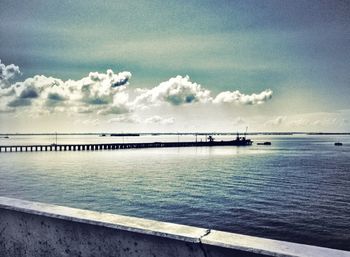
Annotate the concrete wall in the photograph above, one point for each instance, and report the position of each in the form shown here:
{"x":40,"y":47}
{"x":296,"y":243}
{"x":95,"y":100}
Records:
{"x":35,"y":229}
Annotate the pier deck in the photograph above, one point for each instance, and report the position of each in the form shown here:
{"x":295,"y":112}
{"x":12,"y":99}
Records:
{"x":115,"y":146}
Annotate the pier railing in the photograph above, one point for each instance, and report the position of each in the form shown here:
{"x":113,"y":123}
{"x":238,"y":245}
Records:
{"x":34,"y":229}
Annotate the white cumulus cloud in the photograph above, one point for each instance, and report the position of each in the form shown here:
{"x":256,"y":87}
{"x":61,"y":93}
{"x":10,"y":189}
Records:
{"x":108,"y":94}
{"x":176,"y":91}
{"x":96,"y":92}
{"x":181,"y":91}
{"x":7,"y":72}
{"x":240,"y":98}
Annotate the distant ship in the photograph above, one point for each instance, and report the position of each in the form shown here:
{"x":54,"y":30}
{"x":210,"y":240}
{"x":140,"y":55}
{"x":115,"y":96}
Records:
{"x":239,"y":141}
{"x":338,"y":144}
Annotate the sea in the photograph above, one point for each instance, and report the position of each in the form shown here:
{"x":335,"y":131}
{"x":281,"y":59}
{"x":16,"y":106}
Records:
{"x":297,"y":189}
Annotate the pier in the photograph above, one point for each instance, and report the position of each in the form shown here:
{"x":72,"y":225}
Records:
{"x":117,"y":146}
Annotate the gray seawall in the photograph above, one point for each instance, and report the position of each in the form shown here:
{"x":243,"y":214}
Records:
{"x":35,"y":229}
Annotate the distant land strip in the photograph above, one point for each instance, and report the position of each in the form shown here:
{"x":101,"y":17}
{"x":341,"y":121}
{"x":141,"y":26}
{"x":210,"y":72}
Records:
{"x":171,"y":134}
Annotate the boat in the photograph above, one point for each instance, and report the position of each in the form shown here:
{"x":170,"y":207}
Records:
{"x":242,"y":141}
{"x":264,"y":143}
{"x":238,"y":141}
{"x":338,"y":144}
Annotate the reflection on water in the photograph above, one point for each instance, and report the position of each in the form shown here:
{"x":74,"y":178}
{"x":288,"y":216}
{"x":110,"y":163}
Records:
{"x":297,"y":189}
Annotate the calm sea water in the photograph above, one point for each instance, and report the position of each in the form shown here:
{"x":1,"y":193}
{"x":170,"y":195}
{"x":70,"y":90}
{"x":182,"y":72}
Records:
{"x":297,"y":189}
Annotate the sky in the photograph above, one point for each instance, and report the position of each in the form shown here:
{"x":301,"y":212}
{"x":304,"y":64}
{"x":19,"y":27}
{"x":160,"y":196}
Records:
{"x":174,"y":66}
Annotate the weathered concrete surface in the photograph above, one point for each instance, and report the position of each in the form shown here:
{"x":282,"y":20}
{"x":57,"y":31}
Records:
{"x":37,"y":236}
{"x":35,"y":229}
{"x":266,"y":247}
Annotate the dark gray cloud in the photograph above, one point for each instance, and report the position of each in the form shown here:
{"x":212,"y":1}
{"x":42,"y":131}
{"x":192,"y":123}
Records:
{"x":178,"y":99}
{"x":19,"y":102}
{"x":29,"y":92}
{"x":114,"y":110}
{"x":97,"y":100}
{"x":121,"y":82}
{"x":56,"y":97}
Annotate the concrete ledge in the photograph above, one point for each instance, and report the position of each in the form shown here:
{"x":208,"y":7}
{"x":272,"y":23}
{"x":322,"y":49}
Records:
{"x":125,"y":223}
{"x":267,"y":247}
{"x":36,"y":229}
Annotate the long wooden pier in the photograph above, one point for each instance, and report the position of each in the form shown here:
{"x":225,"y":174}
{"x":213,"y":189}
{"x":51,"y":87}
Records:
{"x":115,"y":146}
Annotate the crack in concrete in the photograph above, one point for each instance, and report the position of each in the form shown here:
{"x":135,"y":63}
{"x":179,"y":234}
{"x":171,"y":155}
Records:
{"x":201,"y":244}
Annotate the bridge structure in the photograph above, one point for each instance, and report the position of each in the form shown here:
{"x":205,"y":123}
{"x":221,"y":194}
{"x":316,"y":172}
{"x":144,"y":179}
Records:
{"x":116,"y":146}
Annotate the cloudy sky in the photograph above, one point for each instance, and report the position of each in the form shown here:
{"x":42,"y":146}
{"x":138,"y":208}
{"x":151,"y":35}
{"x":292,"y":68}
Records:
{"x":140,"y":66}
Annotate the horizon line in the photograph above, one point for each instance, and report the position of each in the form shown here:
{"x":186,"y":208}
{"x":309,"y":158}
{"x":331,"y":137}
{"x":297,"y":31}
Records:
{"x":171,"y":133}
